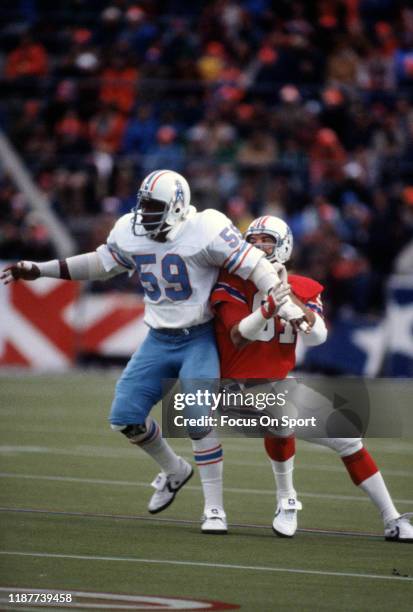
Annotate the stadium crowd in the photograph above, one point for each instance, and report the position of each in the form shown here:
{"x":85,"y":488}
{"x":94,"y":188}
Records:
{"x":298,"y":109}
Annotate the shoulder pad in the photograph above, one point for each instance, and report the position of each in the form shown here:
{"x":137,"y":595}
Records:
{"x":304,"y":288}
{"x":214,"y":220}
{"x":122,"y":230}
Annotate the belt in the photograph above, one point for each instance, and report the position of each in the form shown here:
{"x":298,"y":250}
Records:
{"x":182,"y":331}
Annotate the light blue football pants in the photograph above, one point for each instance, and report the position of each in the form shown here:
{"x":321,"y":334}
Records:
{"x":188,"y":354}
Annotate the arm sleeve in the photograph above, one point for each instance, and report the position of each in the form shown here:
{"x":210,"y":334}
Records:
{"x":87,"y":266}
{"x":316,"y":305}
{"x":108,"y":260}
{"x":264,"y":275}
{"x":226,"y":248}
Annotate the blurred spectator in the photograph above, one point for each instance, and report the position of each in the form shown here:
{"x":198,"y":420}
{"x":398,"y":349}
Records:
{"x":238,"y":211}
{"x":119,"y":81}
{"x":140,"y":131}
{"x":106,"y":130}
{"x":165,"y":153}
{"x":342,"y":64}
{"x":29,"y":59}
{"x":259,"y":150}
{"x":139,"y":32}
{"x":327,"y":158}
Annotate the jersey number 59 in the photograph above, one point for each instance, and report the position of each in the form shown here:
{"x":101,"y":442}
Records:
{"x":173,"y":271}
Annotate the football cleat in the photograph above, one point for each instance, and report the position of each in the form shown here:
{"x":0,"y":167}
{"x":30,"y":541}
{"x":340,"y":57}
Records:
{"x":168,"y":485}
{"x":285,"y":519}
{"x":214,"y":520}
{"x":400,"y":529}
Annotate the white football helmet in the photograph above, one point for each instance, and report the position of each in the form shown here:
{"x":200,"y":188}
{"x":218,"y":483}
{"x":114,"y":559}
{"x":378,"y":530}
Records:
{"x":169,"y":194}
{"x":279,"y":231}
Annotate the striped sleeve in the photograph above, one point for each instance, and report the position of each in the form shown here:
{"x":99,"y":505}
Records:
{"x":236,"y":258}
{"x":111,"y":254}
{"x":226,"y":248}
{"x":112,"y":257}
{"x":123,"y":259}
{"x":316,"y":305}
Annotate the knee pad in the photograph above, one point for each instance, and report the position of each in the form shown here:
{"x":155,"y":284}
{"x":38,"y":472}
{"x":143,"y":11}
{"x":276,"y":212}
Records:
{"x":205,"y":441}
{"x":342,"y":446}
{"x":135,"y":433}
{"x":196,"y":435}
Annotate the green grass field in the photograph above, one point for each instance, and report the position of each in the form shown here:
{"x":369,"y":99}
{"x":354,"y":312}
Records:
{"x":73,"y":514}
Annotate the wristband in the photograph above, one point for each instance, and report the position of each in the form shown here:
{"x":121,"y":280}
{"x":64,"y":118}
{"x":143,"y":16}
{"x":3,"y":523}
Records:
{"x":268,"y":309}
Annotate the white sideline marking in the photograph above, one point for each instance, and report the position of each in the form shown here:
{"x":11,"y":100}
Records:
{"x":113,"y":453}
{"x":387,"y":445}
{"x":138,"y":483}
{"x":257,"y":568}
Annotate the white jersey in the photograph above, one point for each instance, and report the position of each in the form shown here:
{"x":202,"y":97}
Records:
{"x":179,"y":274}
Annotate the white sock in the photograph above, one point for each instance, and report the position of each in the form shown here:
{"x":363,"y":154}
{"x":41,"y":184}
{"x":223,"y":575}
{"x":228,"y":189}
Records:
{"x":376,"y":489}
{"x":158,"y":448}
{"x":283,"y":474}
{"x":209,"y":459}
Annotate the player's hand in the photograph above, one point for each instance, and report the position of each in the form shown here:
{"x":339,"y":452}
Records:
{"x":303,"y":324}
{"x":280,"y":295}
{"x":26,"y":270}
{"x":276,"y":298}
{"x":295,"y":315}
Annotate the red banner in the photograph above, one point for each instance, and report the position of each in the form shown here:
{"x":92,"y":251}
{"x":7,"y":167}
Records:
{"x":46,"y":324}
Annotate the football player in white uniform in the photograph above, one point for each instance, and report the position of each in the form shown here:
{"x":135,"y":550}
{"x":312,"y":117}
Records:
{"x":177,"y":253}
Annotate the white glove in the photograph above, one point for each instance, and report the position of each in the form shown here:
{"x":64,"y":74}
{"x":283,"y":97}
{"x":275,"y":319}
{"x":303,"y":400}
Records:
{"x":251,"y":326}
{"x":278,"y":296}
{"x":290,"y":312}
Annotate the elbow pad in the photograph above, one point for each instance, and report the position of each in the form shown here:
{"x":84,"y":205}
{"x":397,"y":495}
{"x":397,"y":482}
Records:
{"x":90,"y":267}
{"x":87,"y":267}
{"x":317,"y":335}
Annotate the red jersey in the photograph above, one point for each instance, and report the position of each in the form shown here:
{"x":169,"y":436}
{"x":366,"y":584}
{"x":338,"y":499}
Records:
{"x":273,"y":354}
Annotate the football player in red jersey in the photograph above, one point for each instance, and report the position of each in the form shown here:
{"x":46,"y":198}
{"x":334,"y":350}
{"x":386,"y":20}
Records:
{"x":255,"y":342}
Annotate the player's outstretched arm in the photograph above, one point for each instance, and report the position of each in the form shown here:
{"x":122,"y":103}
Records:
{"x":80,"y":267}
